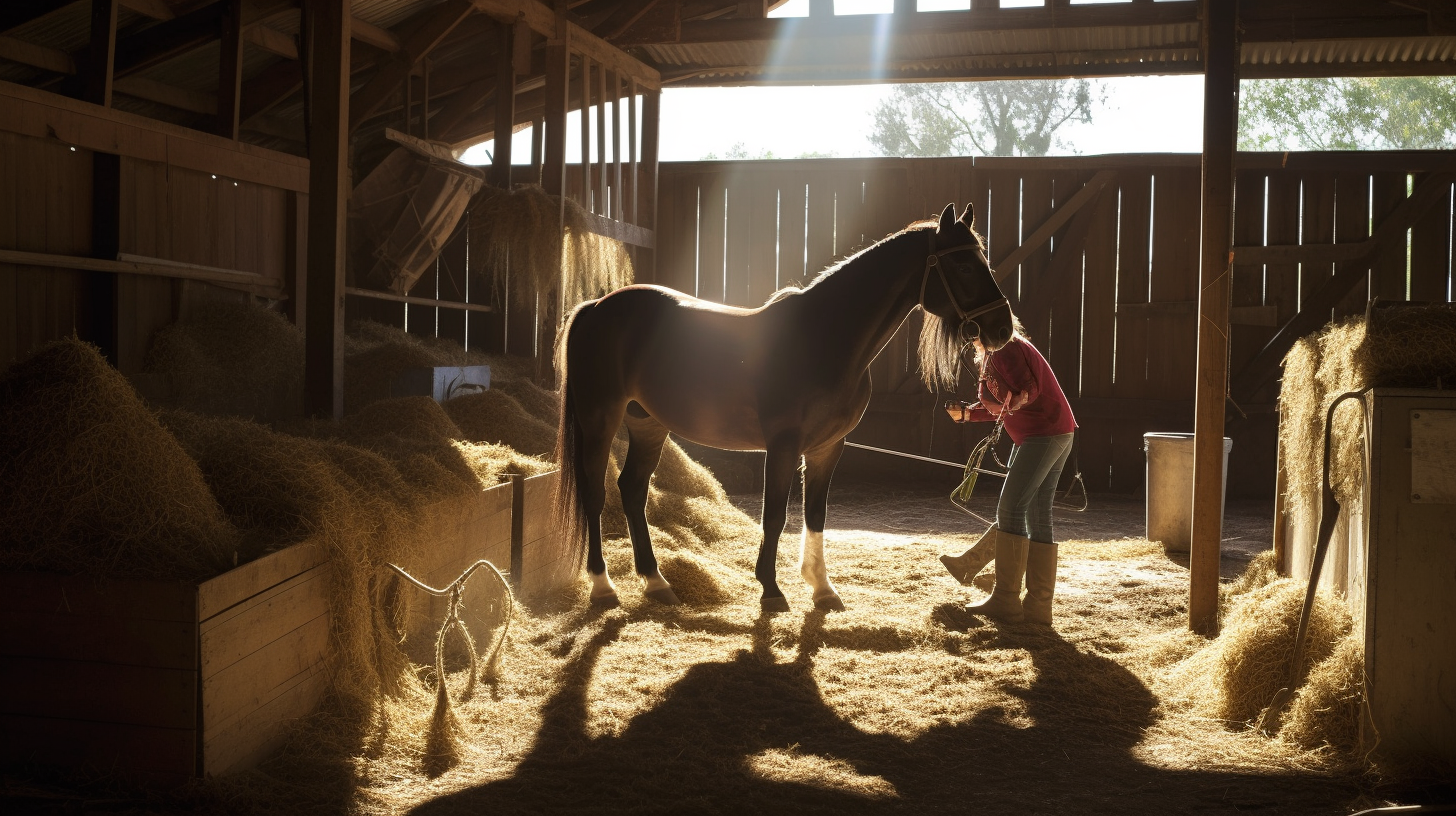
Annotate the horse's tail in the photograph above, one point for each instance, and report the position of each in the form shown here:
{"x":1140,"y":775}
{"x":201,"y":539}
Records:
{"x":569,"y":500}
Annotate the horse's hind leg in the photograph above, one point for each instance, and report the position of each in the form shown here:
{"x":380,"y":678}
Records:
{"x":596,"y":448}
{"x":646,"y":438}
{"x":818,"y":469}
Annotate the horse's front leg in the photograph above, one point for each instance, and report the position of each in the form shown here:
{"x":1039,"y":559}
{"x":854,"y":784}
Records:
{"x":818,"y":470}
{"x":780,"y":466}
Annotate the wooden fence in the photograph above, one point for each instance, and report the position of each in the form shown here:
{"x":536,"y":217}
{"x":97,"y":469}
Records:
{"x":1099,"y":256}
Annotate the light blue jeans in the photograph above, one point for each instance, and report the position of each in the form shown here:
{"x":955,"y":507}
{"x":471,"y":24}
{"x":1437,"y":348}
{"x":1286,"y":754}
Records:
{"x":1035,"y":466}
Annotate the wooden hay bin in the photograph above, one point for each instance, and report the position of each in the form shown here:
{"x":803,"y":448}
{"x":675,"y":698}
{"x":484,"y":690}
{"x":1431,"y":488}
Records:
{"x":163,"y":681}
{"x":1392,"y":558}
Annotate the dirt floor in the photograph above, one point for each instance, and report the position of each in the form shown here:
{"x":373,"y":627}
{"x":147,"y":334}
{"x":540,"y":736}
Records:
{"x":902,"y":703}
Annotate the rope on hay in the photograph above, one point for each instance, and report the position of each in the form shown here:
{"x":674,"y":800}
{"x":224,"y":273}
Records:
{"x":454,"y":606}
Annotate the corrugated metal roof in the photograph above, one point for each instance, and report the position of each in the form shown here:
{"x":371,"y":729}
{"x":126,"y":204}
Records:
{"x":1352,"y":52}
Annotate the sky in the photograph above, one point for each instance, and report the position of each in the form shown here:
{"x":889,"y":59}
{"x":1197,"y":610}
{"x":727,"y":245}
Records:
{"x":1139,"y":114}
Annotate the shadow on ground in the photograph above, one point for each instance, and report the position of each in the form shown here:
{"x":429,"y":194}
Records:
{"x":690,"y":754}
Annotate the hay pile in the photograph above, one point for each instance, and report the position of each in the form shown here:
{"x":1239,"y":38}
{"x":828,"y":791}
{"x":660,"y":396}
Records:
{"x":1233,"y":678}
{"x":233,"y":359}
{"x":519,"y":232}
{"x":91,"y":483}
{"x":1413,"y":347}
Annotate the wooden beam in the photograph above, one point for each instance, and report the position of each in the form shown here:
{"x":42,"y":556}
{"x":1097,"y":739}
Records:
{"x":156,"y":267}
{"x":161,"y":42}
{"x":627,"y":14}
{"x":272,"y":40}
{"x":629,"y":234}
{"x":1054,"y":222}
{"x":170,"y":95}
{"x":438,"y":22}
{"x":371,"y":34}
{"x":16,"y":13}
{"x":418,"y":301}
{"x":230,"y":70}
{"x":558,"y":78}
{"x":328,"y":204}
{"x":1314,"y":311}
{"x":36,"y":56}
{"x":155,"y":9}
{"x":647,"y":196}
{"x":1220,"y":131}
{"x":542,"y":20}
{"x":271,"y":86}
{"x":101,"y":53}
{"x":505,"y":105}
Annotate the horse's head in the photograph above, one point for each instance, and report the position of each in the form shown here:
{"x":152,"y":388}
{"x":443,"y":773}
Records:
{"x":961,"y":298}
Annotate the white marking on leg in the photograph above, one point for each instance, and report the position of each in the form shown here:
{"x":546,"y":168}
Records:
{"x":601,"y":584}
{"x":812,"y":566}
{"x":654,"y":582}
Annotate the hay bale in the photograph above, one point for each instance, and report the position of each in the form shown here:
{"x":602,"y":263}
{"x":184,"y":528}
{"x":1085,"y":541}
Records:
{"x":231,"y":358}
{"x":90,"y":481}
{"x":1261,"y":572}
{"x":1325,"y":714}
{"x":529,"y":254}
{"x":494,"y":417}
{"x":1251,"y":656}
{"x":1404,"y":346}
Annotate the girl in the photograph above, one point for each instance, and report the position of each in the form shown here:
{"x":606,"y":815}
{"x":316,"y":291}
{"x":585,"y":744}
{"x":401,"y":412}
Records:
{"x":1017,"y":386}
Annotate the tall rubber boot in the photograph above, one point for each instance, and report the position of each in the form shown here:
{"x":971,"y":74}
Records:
{"x":1005,"y":601}
{"x":967,"y":565}
{"x":1041,"y":582}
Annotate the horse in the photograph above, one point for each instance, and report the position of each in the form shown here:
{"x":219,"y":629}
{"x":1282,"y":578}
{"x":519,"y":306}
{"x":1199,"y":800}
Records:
{"x":790,"y":378}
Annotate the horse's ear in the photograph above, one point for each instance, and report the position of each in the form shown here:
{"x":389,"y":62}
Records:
{"x":947,"y":217}
{"x":969,"y":215}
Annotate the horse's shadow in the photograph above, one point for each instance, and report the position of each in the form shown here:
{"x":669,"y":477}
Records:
{"x":692,"y":753}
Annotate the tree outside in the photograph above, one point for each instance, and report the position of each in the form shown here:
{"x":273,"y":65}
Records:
{"x":991,"y":118}
{"x":1382,"y":113}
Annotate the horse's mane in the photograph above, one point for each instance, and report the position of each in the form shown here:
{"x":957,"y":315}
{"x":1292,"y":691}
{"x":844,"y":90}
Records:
{"x":917,"y":226}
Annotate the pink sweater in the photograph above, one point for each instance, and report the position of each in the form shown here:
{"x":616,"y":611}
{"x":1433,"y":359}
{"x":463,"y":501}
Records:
{"x":1018,"y":367}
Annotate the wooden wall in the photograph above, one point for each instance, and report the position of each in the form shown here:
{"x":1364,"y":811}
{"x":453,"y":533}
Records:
{"x":1115,"y":314}
{"x":198,"y":211}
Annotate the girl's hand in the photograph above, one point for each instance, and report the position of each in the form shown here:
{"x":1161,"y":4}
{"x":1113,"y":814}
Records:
{"x":1015,"y":401}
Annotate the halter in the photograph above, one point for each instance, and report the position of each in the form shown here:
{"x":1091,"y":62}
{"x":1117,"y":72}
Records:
{"x":932,"y":261}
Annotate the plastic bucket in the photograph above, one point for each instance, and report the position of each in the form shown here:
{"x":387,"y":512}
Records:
{"x":1170,"y":488}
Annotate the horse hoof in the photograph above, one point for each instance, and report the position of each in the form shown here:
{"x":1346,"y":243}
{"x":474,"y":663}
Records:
{"x":605,"y":601}
{"x":829,"y":603}
{"x":778,"y":604}
{"x":664,"y":596}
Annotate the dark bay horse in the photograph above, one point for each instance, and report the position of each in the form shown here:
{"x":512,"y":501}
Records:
{"x":790,"y":378}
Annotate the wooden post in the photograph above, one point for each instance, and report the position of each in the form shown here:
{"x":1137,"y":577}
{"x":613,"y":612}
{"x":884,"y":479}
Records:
{"x":518,"y":528}
{"x":600,"y":171}
{"x":1220,"y":132}
{"x":538,"y":148}
{"x":586,"y":92}
{"x":101,"y":53}
{"x":98,"y":315}
{"x":505,"y":107}
{"x":328,"y":197}
{"x":614,"y":207}
{"x":647,"y":196}
{"x":632,"y":180}
{"x":230,"y":71}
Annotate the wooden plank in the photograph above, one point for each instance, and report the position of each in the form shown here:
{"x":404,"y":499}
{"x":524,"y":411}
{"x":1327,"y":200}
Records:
{"x":1317,"y":227}
{"x":1389,"y":263}
{"x":1247,"y":284}
{"x":248,"y":627}
{"x":101,"y":53}
{"x":647,"y":207}
{"x":256,"y":577}
{"x":155,"y":267}
{"x":1431,"y":252}
{"x":1130,"y":366}
{"x":792,"y":222}
{"x":1172,"y":341}
{"x":9,"y":294}
{"x":1063,"y":346}
{"x":712,"y":235}
{"x":1003,"y":220}
{"x":247,"y":741}
{"x":230,"y":70}
{"x":161,"y":755}
{"x":1099,"y":300}
{"x":236,"y":691}
{"x":820,"y":238}
{"x":763,"y":237}
{"x":738,"y":242}
{"x":1048,"y":227}
{"x":99,"y":692}
{"x":91,"y":638}
{"x":86,"y":595}
{"x":1352,"y":223}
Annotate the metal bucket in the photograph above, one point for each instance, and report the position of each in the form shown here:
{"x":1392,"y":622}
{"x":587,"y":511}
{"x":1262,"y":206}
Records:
{"x":1170,"y":488}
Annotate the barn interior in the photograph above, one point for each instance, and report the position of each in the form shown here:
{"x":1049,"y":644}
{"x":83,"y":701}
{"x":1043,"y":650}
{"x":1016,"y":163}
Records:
{"x":278,"y":422}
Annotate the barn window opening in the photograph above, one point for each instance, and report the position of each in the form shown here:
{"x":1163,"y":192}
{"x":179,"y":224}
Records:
{"x":1116,"y":281}
{"x":726,"y":296}
{"x":778,"y":239}
{"x":698,"y":241}
{"x":1152,"y":225}
{"x":1299,"y":267}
